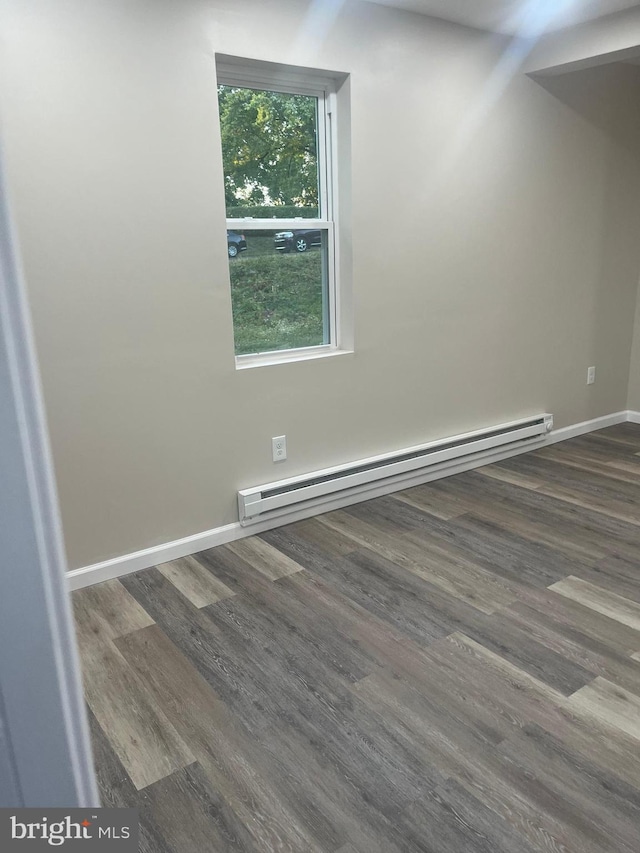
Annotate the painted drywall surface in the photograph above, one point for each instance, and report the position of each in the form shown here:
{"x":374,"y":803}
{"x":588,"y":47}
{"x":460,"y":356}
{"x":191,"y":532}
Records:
{"x":634,"y":371}
{"x":621,"y":258}
{"x":614,"y":37}
{"x":609,"y":98}
{"x":479,"y":232}
{"x":614,"y":309}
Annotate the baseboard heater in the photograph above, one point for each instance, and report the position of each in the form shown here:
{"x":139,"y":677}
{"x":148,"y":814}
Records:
{"x":276,"y":499}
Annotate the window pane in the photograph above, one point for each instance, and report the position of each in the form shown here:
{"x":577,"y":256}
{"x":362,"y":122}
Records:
{"x":270,"y":154}
{"x":279,"y":289}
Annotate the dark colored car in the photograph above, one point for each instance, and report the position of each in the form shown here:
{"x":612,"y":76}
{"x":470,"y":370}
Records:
{"x":235,"y":243}
{"x":299,"y":240}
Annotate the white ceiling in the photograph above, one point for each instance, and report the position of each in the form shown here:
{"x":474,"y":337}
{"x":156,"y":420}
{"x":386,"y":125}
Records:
{"x":507,"y":15}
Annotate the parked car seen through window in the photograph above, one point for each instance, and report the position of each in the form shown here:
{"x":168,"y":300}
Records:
{"x":300,"y":240}
{"x":236,"y":243}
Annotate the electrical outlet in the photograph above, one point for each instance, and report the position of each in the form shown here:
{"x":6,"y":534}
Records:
{"x":591,"y":375}
{"x":279,"y":448}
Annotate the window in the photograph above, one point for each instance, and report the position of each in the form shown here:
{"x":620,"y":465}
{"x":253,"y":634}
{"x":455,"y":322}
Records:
{"x":277,"y":127}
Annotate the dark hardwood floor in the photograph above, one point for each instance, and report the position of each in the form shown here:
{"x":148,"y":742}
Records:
{"x":451,"y":669}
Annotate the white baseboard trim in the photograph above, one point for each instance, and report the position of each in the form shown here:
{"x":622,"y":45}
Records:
{"x":120,"y":566}
{"x":587,"y":426}
{"x":145,"y":559}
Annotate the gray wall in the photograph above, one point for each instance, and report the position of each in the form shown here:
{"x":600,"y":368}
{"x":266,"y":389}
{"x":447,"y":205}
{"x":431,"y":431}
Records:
{"x":493,"y":252}
{"x":634,"y":372}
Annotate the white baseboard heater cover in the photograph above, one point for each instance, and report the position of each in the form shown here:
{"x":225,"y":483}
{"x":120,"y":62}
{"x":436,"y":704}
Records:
{"x":273,"y":499}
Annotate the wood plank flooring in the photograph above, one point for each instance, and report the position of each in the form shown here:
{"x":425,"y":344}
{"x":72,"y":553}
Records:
{"x":451,"y":669}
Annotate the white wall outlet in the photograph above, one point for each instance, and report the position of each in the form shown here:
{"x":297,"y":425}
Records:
{"x":279,"y":448}
{"x":591,"y":375}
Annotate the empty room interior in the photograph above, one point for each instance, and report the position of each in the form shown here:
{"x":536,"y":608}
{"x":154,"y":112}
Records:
{"x":337,"y":318}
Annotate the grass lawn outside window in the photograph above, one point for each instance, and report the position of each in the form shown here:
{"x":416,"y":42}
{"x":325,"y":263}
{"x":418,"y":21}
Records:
{"x":277,"y":298}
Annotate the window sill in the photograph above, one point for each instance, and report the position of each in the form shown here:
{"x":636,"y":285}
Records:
{"x":244,"y":362}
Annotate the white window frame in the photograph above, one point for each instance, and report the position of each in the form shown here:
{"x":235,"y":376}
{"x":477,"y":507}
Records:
{"x":272,"y":77}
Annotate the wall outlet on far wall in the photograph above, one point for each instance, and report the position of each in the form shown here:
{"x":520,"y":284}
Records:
{"x":279,"y":448}
{"x":591,"y":375}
